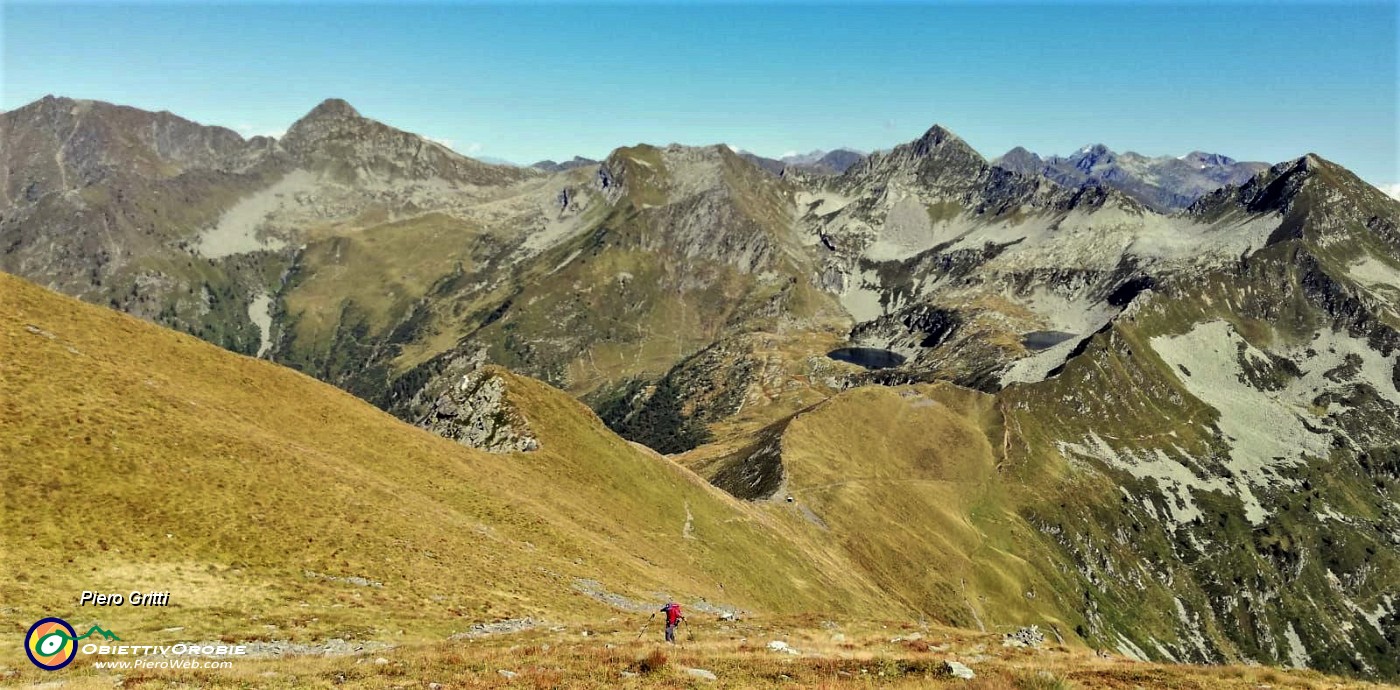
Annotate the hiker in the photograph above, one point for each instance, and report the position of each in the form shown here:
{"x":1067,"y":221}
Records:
{"x":673,"y":619}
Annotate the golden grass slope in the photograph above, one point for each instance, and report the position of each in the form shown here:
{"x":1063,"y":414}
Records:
{"x":834,"y":655}
{"x":904,"y":483}
{"x":139,"y":458}
{"x":136,"y":458}
{"x":381,"y":270}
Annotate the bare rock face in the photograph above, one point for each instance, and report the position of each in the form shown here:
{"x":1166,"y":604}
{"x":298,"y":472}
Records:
{"x":475,"y":412}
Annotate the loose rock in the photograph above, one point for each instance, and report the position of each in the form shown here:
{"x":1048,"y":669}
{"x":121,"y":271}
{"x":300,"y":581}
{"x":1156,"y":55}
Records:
{"x":781,"y":646}
{"x":1029,"y":636}
{"x":510,"y":625}
{"x":958,"y":670}
{"x":701,"y":673}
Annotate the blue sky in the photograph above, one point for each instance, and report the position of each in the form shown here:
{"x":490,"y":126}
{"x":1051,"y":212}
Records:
{"x":551,"y":80}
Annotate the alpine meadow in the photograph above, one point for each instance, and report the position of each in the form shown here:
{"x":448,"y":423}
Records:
{"x":346,"y":406}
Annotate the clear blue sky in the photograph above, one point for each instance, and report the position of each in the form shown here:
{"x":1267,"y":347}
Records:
{"x":525,"y":82}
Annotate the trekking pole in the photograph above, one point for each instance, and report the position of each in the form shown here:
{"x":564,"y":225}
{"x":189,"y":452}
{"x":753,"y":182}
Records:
{"x":644,"y":626}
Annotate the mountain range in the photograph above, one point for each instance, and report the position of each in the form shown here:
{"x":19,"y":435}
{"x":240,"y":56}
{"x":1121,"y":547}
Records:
{"x":817,"y":162}
{"x":1150,"y":402}
{"x":1164,"y":184}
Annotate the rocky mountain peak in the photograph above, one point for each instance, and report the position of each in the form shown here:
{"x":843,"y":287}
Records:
{"x":1086,"y":158}
{"x":336,"y":139}
{"x":50,"y":101}
{"x":936,"y":138}
{"x":331,"y":109}
{"x":1202,"y":158}
{"x":1021,"y":160}
{"x":838,"y":161}
{"x":938,"y":154}
{"x":57,"y":112}
{"x":1272,"y":190}
{"x":332,"y":115}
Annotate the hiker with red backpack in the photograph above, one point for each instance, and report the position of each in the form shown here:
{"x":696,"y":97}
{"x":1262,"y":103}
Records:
{"x":673,"y":620}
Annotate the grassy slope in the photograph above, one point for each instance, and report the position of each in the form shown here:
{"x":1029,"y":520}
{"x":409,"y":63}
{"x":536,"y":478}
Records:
{"x":853,"y":654}
{"x":904,"y":483}
{"x":140,"y":458}
{"x":382,"y":270}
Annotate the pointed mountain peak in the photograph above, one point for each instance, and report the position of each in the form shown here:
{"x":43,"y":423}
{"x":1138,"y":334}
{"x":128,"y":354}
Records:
{"x":940,"y":143}
{"x":1269,"y":191}
{"x":1300,"y":167}
{"x":336,"y":140}
{"x":935,"y":137}
{"x":1086,"y":158}
{"x":332,"y":118}
{"x":332,"y":109}
{"x":938,"y":154}
{"x":1020,"y":159}
{"x":1313,"y":165}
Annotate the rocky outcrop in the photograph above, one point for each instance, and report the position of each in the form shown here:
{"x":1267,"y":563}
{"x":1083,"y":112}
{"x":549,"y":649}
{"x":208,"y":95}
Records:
{"x":476,"y":412}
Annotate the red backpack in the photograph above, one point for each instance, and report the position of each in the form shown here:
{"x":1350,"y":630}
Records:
{"x":673,"y":613}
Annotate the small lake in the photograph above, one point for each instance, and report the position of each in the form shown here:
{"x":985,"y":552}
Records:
{"x":1044,"y":340}
{"x":868,"y":357}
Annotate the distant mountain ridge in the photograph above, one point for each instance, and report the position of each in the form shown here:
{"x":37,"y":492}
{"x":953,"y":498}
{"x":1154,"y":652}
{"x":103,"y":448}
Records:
{"x":1164,"y":183}
{"x":1188,"y":416}
{"x":816,"y":162}
{"x":576,"y":162}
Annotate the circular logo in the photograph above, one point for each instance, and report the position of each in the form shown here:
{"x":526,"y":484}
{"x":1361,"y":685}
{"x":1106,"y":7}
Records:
{"x":50,"y":644}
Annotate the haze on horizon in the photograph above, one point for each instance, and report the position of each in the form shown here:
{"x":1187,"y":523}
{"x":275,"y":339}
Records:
{"x":536,"y":81}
